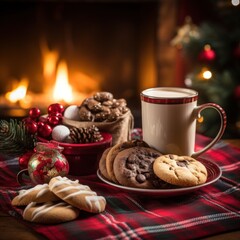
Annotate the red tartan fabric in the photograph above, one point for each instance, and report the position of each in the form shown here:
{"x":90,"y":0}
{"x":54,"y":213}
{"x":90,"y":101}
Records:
{"x":209,"y":211}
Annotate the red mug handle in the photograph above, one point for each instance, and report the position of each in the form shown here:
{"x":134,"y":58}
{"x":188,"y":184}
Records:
{"x":223,"y":119}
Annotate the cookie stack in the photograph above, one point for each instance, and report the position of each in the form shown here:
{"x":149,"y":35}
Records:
{"x":59,"y":201}
{"x":102,"y":106}
{"x":135,"y":164}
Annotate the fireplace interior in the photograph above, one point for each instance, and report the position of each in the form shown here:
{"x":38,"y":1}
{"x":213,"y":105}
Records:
{"x":118,"y":46}
{"x":106,"y":46}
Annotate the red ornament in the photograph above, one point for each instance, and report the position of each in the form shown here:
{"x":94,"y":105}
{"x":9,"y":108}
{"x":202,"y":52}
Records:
{"x":43,"y":119}
{"x":45,"y":130}
{"x":46,"y":163}
{"x":27,"y":120}
{"x":208,"y":54}
{"x":41,"y":124}
{"x":34,"y":113}
{"x":31,"y":126}
{"x":55,"y":108}
{"x":59,"y":115}
{"x":24,"y":159}
{"x":53,"y":120}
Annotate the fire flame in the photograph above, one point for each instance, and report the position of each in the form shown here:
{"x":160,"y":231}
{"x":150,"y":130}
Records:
{"x":62,"y":90}
{"x":19,"y":92}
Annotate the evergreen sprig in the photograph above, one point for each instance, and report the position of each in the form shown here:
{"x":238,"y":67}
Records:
{"x":14,"y":138}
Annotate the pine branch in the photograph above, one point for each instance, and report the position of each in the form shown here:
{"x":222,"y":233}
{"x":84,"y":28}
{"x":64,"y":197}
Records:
{"x":14,"y":138}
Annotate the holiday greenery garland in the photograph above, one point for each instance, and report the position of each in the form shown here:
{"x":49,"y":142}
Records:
{"x":15,"y":140}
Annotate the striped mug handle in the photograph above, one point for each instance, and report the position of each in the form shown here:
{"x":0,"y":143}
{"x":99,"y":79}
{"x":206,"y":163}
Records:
{"x":223,"y":119}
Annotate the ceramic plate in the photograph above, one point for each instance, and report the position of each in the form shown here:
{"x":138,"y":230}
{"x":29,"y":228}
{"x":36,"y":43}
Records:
{"x":214,"y":173}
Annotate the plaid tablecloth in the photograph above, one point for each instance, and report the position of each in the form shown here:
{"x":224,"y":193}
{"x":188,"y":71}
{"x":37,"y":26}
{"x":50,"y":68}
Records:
{"x":209,"y":211}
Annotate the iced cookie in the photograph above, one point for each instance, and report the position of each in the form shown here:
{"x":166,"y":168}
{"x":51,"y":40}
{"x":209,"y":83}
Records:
{"x":40,"y":193}
{"x":182,"y":171}
{"x":117,"y":149}
{"x":133,"y":167}
{"x":77,"y":195}
{"x":50,"y":213}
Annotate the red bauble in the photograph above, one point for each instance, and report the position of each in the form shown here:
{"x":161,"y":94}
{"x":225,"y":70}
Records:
{"x":55,"y":108}
{"x":41,"y":124}
{"x":24,"y":159}
{"x":27,"y":120}
{"x":207,"y":54}
{"x":34,"y":113}
{"x":59,"y":115}
{"x":43,"y":119}
{"x":31,"y":126}
{"x":53,"y":120}
{"x":45,"y":130}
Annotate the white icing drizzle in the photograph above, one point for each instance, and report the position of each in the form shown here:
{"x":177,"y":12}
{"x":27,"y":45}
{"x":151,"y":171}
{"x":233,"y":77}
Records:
{"x":81,"y":192}
{"x":44,"y":208}
{"x":95,"y":200}
{"x":32,"y":204}
{"x":80,"y":187}
{"x":42,"y":187}
{"x":65,"y":180}
{"x":91,"y":198}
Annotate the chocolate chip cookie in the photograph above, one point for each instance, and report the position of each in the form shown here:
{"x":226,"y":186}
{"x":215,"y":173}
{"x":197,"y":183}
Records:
{"x":133,"y":167}
{"x":117,"y":149}
{"x":102,"y":164}
{"x":183,"y":171}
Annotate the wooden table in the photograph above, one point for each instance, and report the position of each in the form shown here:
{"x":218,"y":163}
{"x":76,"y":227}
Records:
{"x":11,"y":229}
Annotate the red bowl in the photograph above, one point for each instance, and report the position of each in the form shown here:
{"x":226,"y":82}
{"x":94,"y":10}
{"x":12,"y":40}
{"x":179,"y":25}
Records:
{"x":83,"y":158}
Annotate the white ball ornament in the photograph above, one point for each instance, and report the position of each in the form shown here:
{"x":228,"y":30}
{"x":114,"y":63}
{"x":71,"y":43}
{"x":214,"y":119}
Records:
{"x":72,"y":112}
{"x":60,"y":133}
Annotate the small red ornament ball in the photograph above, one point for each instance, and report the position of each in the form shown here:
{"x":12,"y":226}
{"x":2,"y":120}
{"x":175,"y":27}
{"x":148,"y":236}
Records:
{"x":55,"y":108}
{"x":34,"y":113}
{"x":24,"y":159}
{"x":53,"y":120}
{"x":208,"y":54}
{"x":41,"y":124}
{"x":31,"y":126}
{"x":44,"y":130}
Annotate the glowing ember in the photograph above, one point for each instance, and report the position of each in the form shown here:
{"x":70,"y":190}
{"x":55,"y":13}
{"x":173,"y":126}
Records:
{"x":62,"y":90}
{"x":19,"y":92}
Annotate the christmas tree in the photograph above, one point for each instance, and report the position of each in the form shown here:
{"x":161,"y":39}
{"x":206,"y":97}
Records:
{"x":212,"y":53}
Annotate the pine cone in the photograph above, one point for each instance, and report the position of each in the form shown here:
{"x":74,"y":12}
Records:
{"x":85,"y":134}
{"x":14,"y":138}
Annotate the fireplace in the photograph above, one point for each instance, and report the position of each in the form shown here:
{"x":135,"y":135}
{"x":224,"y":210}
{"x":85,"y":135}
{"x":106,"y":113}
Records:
{"x":96,"y":45}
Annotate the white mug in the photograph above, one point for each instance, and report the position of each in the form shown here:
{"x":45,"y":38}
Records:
{"x":169,"y":120}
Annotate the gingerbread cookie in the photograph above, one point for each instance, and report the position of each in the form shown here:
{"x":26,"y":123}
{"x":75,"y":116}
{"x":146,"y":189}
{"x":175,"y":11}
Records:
{"x":182,"y":171}
{"x":50,"y":213}
{"x":77,"y":195}
{"x":102,"y":164}
{"x":117,"y":149}
{"x":133,"y":167}
{"x":40,"y":193}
